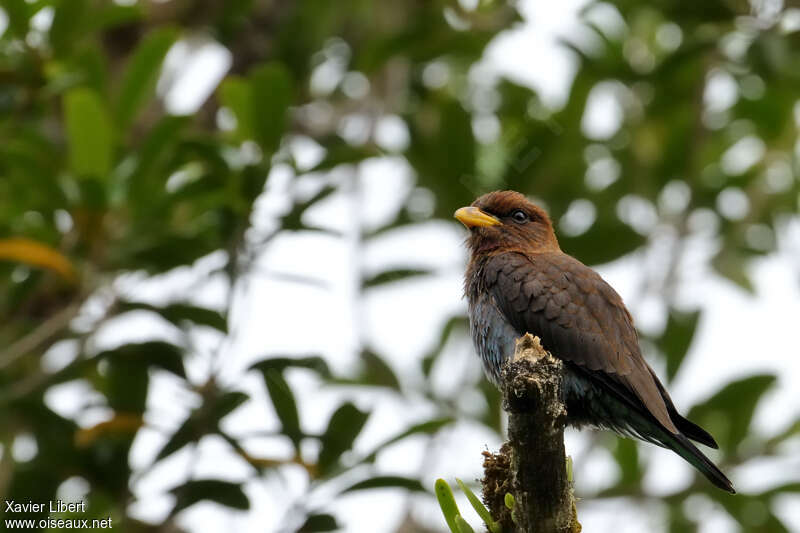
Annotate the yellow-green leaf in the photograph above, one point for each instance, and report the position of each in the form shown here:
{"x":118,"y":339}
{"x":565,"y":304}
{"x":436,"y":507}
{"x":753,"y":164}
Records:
{"x":36,"y":254}
{"x":89,"y":133}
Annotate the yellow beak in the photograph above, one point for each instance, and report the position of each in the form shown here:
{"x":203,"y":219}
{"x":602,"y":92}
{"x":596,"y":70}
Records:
{"x":472,"y":216}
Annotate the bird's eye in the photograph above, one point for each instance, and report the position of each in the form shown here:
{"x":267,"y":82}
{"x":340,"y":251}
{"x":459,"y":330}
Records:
{"x":519,"y":216}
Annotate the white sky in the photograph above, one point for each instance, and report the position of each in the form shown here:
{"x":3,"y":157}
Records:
{"x":739,"y":333}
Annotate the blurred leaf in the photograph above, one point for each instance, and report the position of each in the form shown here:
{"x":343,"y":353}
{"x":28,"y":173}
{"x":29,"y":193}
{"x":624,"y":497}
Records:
{"x":427,"y":428}
{"x":139,"y":79}
{"x":284,"y":403}
{"x":67,"y":25}
{"x":203,"y":421}
{"x":790,"y":431}
{"x":152,"y":353}
{"x":445,"y":129}
{"x":677,"y":339}
{"x":122,"y":424}
{"x":272,"y":95}
{"x":315,"y":363}
{"x":375,"y":372}
{"x":178,"y":314}
{"x":381,"y":482}
{"x":89,"y":133}
{"x":293,"y":219}
{"x":727,"y":414}
{"x":221,"y":492}
{"x":343,"y":427}
{"x":189,"y":431}
{"x":18,"y":13}
{"x":626,"y":454}
{"x":453,"y":324}
{"x":338,"y":152}
{"x":732,"y":265}
{"x":493,"y":417}
{"x":751,"y":511}
{"x":605,"y":241}
{"x":127,"y":381}
{"x":227,"y":403}
{"x":319,"y":522}
{"x":152,"y":158}
{"x":444,"y":494}
{"x":389,"y":276}
{"x":36,"y":254}
{"x":110,"y":15}
{"x":236,"y":94}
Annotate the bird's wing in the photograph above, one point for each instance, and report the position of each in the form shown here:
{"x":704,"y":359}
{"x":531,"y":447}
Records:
{"x":579,"y":318}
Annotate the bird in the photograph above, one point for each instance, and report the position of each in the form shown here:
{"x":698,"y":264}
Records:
{"x":518,"y":281}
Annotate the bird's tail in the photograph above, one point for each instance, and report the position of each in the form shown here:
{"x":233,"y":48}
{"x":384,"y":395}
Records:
{"x":650,"y":430}
{"x":683,"y":447}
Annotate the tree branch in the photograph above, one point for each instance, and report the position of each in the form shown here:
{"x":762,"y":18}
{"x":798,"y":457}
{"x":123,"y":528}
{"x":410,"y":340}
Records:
{"x":534,"y":454}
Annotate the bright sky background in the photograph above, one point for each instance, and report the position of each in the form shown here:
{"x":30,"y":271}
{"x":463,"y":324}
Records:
{"x":739,"y":333}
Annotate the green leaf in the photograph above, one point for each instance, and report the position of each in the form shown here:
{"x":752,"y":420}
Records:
{"x":463,"y":526}
{"x":67,"y":26}
{"x":390,"y":276}
{"x":222,"y":492}
{"x":444,"y":494}
{"x":127,"y":382}
{"x":382,"y":482}
{"x":189,"y":431}
{"x":430,"y":427}
{"x":110,"y":15}
{"x":152,"y":353}
{"x":374,"y":372}
{"x":293,"y":219}
{"x":570,"y":472}
{"x":677,"y":338}
{"x":314,"y":362}
{"x":89,"y":133}
{"x":236,"y":94}
{"x":179,"y":314}
{"x":272,"y":94}
{"x":508,"y":499}
{"x":140,"y":76}
{"x":605,"y":241}
{"x":732,"y":265}
{"x":627,"y":456}
{"x":227,"y":403}
{"x":319,"y":522}
{"x":454,"y":324}
{"x":18,"y":13}
{"x":727,"y":414}
{"x":152,"y":160}
{"x":482,"y":511}
{"x":203,"y":421}
{"x":343,"y":427}
{"x":284,"y":403}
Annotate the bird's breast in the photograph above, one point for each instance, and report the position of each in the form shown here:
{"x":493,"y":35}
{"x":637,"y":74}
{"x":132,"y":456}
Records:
{"x":492,"y":335}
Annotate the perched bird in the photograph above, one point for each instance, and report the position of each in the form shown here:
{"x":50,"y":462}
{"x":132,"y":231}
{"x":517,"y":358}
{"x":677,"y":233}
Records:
{"x":519,"y":281}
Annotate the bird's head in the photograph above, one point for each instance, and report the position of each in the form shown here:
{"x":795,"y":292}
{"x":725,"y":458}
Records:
{"x":507,"y":220}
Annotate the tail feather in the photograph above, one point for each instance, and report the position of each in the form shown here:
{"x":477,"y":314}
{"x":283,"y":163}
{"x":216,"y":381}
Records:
{"x":684,"y":425}
{"x":692,"y":430}
{"x":683,"y":447}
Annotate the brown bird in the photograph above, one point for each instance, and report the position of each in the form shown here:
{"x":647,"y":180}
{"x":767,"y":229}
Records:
{"x":519,"y":281}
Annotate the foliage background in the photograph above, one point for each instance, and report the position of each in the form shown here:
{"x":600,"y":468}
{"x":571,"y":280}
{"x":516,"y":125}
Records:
{"x":230,"y":277}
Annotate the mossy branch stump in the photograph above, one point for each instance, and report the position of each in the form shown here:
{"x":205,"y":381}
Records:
{"x":534,"y":460}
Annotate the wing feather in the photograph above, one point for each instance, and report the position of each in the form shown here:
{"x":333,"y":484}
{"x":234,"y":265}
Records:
{"x":580,"y":319}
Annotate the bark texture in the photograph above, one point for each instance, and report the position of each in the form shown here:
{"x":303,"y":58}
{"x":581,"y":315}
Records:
{"x":537,"y":474}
